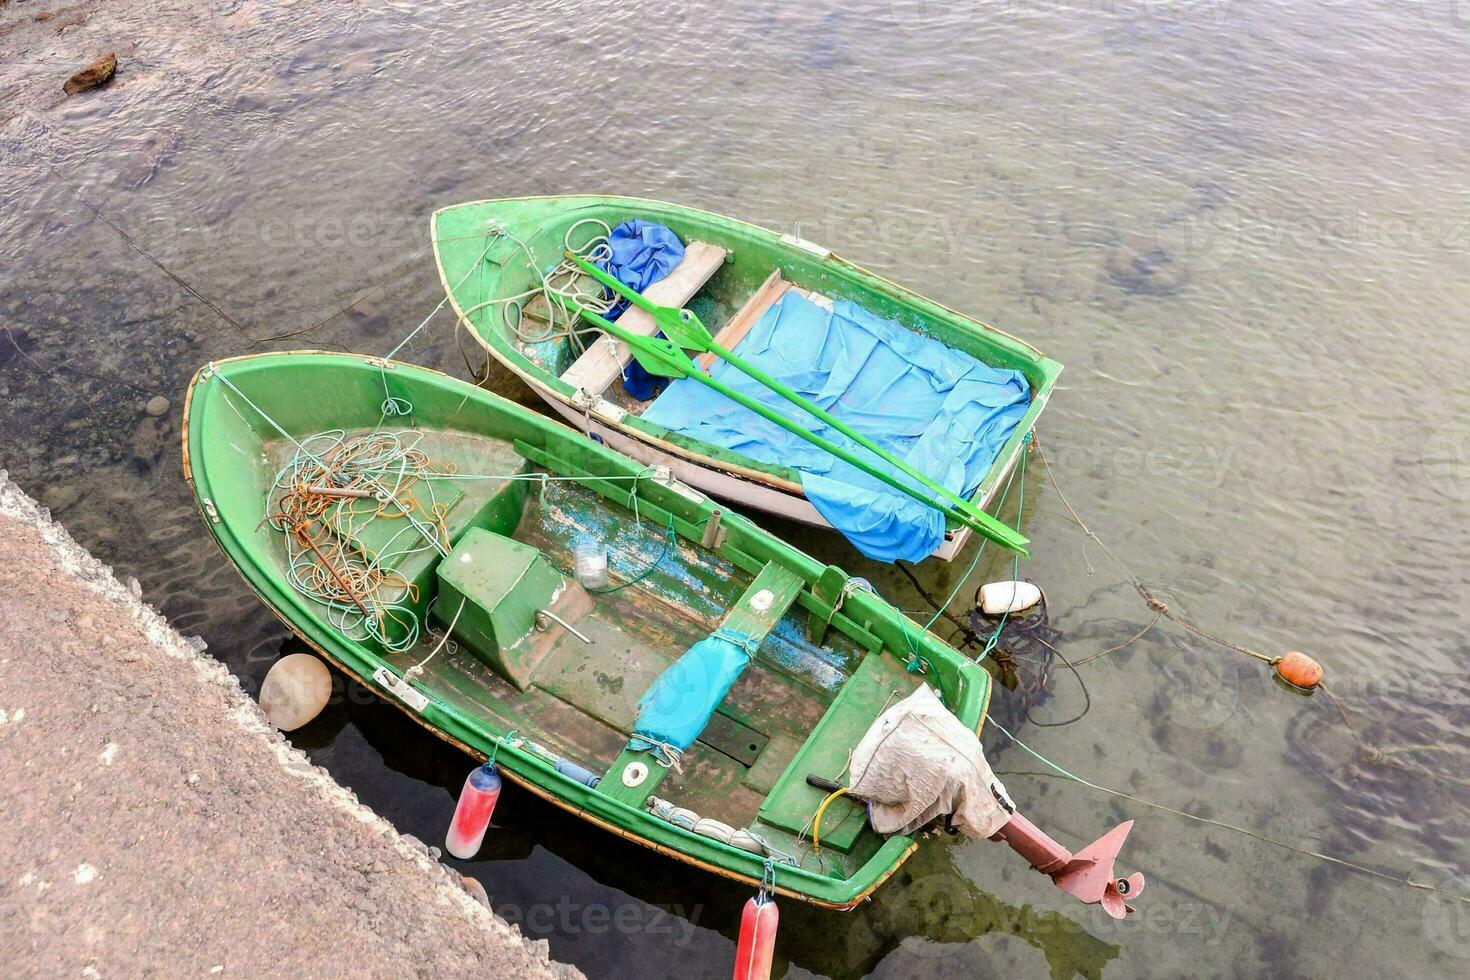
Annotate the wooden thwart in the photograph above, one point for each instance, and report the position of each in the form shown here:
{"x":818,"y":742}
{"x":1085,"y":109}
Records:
{"x":754,"y":614}
{"x":604,"y":359}
{"x":732,"y":333}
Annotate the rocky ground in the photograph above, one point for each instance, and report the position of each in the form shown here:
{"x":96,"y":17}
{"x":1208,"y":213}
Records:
{"x":153,"y":823}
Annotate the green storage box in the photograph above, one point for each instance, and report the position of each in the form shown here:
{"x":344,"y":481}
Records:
{"x":502,"y":583}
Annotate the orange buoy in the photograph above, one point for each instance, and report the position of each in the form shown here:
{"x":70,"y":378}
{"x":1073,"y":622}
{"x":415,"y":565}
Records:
{"x":1299,"y":670}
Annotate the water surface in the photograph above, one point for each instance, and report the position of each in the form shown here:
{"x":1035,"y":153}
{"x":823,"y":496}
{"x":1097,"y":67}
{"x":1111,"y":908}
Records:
{"x":1241,"y":226}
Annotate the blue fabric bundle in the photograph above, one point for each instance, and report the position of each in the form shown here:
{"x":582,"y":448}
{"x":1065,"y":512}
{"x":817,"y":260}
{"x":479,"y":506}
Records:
{"x":940,"y":410}
{"x":678,"y":705}
{"x":643,"y":252}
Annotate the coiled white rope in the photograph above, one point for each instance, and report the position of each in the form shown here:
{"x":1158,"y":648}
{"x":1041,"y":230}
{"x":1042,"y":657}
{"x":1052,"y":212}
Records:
{"x":565,"y":287}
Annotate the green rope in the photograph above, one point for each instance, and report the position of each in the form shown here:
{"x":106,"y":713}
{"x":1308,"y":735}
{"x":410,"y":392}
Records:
{"x":1404,"y":880}
{"x":1015,"y":560}
{"x":917,"y":664}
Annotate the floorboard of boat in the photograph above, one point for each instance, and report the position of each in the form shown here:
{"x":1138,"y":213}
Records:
{"x":583,"y":701}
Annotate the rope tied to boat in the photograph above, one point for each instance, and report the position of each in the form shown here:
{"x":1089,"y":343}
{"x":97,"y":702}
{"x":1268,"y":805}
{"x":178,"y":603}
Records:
{"x":507,"y":739}
{"x":666,"y":755}
{"x":854,"y":583}
{"x":323,"y":499}
{"x":444,"y":641}
{"x":564,"y":287}
{"x":917,"y":663}
{"x":735,"y":637}
{"x":768,"y":882}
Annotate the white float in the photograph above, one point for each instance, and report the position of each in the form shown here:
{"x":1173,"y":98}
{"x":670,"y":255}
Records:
{"x":296,"y":689}
{"x":1004,"y":598}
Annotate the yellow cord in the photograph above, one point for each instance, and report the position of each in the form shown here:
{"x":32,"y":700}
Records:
{"x":817,"y":820}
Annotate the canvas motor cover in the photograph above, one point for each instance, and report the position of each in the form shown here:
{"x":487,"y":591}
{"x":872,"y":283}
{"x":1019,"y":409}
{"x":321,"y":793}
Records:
{"x":918,"y":762}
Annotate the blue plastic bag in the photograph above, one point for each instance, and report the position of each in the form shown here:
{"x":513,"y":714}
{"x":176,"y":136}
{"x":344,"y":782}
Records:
{"x":643,"y":252}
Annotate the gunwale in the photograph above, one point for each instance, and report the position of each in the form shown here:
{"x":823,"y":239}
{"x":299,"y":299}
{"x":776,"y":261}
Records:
{"x":971,"y":688}
{"x":712,"y":468}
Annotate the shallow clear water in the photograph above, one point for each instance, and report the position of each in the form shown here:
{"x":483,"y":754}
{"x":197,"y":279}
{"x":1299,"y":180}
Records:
{"x":1244,"y":229}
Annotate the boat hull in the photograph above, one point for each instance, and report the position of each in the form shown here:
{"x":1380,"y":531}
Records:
{"x":231,"y":515}
{"x":753,"y":253}
{"x":748,"y":491}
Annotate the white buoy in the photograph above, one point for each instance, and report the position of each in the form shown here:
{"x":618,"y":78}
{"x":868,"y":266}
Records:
{"x":1005,"y":598}
{"x":296,"y":689}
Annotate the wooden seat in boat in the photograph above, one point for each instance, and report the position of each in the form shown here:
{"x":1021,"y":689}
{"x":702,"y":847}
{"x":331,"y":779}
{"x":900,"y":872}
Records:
{"x":767,"y":296}
{"x":733,"y":332}
{"x":754,"y":615}
{"x":604,"y":360}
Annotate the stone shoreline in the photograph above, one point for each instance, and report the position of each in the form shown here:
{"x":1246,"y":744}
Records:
{"x":155,"y":823}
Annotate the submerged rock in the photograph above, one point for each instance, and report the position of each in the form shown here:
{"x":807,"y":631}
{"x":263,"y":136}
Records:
{"x":1154,"y":272}
{"x":150,"y":440}
{"x":96,"y":74}
{"x":59,"y":498}
{"x":156,"y":406}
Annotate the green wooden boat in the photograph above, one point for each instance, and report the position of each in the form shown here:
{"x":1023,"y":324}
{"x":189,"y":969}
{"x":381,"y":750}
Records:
{"x":430,"y":538}
{"x":494,"y":258}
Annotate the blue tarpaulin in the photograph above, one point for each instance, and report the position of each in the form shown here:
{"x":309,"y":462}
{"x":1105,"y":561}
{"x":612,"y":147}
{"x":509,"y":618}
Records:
{"x":938,"y":409}
{"x":677,"y":707}
{"x":643,"y":252}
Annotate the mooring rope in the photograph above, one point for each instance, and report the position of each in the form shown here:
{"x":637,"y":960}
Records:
{"x":1159,"y":608}
{"x":564,"y":288}
{"x":918,"y":664}
{"x":128,"y":240}
{"x":1398,"y":879}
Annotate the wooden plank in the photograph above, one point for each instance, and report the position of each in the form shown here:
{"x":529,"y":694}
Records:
{"x":733,"y":332}
{"x":879,"y":681}
{"x":604,"y":359}
{"x":764,"y":603}
{"x":754,"y":614}
{"x":611,"y":784}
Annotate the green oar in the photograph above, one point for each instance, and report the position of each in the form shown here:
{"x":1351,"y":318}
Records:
{"x":667,"y":358}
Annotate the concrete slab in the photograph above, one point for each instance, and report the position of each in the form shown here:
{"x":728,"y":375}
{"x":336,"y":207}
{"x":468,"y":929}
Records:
{"x":153,"y":823}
